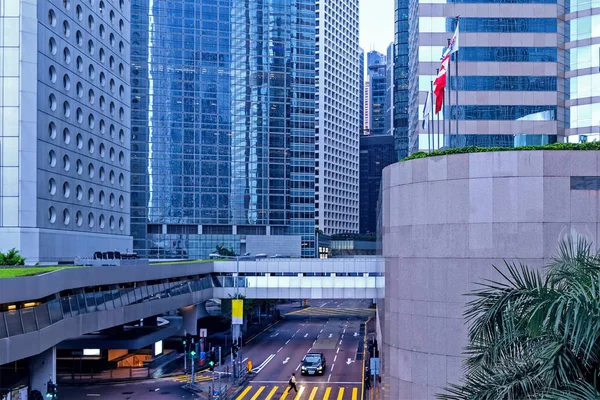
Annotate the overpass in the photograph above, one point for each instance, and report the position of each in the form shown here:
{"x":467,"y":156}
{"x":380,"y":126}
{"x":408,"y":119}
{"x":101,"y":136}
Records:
{"x":44,"y":310}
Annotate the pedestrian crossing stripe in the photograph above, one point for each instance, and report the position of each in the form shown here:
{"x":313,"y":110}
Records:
{"x":197,"y":378}
{"x":345,"y":312}
{"x":304,"y":393}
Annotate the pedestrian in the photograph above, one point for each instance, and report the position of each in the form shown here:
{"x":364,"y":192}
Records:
{"x":293,"y":383}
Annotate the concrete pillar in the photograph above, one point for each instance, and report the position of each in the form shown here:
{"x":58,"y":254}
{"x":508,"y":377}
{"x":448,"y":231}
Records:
{"x":190,"y":319}
{"x":42,"y":368}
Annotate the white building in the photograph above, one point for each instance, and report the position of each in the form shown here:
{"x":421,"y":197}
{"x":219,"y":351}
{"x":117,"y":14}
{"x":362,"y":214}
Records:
{"x":337,"y":126}
{"x":64,"y":127}
{"x":367,"y":106}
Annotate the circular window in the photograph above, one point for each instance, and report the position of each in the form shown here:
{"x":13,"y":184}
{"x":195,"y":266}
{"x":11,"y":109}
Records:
{"x":67,"y":82}
{"x":111,"y":176}
{"x":101,"y":174}
{"x":102,"y":103}
{"x":67,"y":109}
{"x":91,"y":121}
{"x":102,"y":127}
{"x":52,"y":186}
{"x":79,"y":166}
{"x":102,"y":31}
{"x":101,"y":221}
{"x":66,"y":28}
{"x":91,"y":72}
{"x":91,"y":23}
{"x":122,"y":92}
{"x":79,"y":90}
{"x":52,"y":74}
{"x":111,"y":62}
{"x":122,"y":70}
{"x":52,"y":215}
{"x":52,"y":130}
{"x":67,"y":4}
{"x":111,"y":154}
{"x":102,"y":79}
{"x":79,"y":141}
{"x":79,"y":12}
{"x":121,"y":180}
{"x":52,"y":158}
{"x":79,"y":64}
{"x":67,"y":55}
{"x":52,"y":45}
{"x":52,"y":17}
{"x":102,"y":55}
{"x":121,"y":136}
{"x":66,"y":190}
{"x":66,"y":216}
{"x":111,"y":222}
{"x":79,"y":115}
{"x":66,"y":163}
{"x":121,"y":224}
{"x":101,"y":197}
{"x":111,"y":200}
{"x":79,"y":192}
{"x":91,"y":146}
{"x":91,"y":195}
{"x":91,"y":96}
{"x":66,"y":135}
{"x":79,"y":218}
{"x":121,"y":158}
{"x":91,"y":47}
{"x":102,"y":150}
{"x":52,"y":102}
{"x":79,"y":38}
{"x":121,"y":201}
{"x":91,"y":220}
{"x":91,"y":170}
{"x":121,"y":113}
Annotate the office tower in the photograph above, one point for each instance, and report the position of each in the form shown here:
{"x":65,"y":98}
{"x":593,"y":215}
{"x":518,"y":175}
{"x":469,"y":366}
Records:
{"x":338,"y":130}
{"x":367,"y":107}
{"x":511,"y":66}
{"x":64,"y":128}
{"x":377,"y":71}
{"x":376,"y":153}
{"x":401,"y":73}
{"x":389,"y":90}
{"x":361,"y":92}
{"x":223,"y":127}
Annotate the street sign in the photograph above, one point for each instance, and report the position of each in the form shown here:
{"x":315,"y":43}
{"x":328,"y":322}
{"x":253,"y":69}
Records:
{"x":374,"y":366}
{"x":203,"y":333}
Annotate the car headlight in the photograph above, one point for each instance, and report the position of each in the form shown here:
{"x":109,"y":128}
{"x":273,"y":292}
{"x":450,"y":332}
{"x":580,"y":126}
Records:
{"x":303,"y":368}
{"x":320,"y":367}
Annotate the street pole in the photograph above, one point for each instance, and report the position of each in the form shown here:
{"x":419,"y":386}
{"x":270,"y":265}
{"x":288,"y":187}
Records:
{"x":185,"y":352}
{"x":192,"y":361}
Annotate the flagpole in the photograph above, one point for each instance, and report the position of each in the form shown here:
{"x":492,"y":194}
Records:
{"x":432,"y":106}
{"x":449,"y":86}
{"x":456,"y":75}
{"x":428,"y":126}
{"x":443,"y":124}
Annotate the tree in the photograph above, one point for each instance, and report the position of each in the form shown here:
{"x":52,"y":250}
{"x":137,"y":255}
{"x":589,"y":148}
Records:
{"x":534,"y":335}
{"x":223,"y":251}
{"x":11,"y":257}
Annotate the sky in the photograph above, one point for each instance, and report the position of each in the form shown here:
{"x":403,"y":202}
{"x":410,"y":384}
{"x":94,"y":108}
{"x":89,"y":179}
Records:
{"x":376,"y":24}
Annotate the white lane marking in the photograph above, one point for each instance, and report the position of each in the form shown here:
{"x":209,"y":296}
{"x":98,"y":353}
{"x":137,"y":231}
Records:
{"x":93,"y":395}
{"x":280,"y":382}
{"x":349,"y":361}
{"x":245,"y":359}
{"x":342,"y":335}
{"x":344,"y":330}
{"x":281,"y":348}
{"x":293,"y":335}
{"x":335,"y":358}
{"x":338,"y":350}
{"x":323,"y":305}
{"x":330,"y":335}
{"x":315,"y":342}
{"x":298,"y":367}
{"x":300,"y":391}
{"x":321,"y":331}
{"x":329,"y":378}
{"x":340,"y":342}
{"x":264,"y":364}
{"x":298,"y":331}
{"x":286,"y":360}
{"x":309,"y":350}
{"x":332,"y":365}
{"x":275,"y":334}
{"x":306,"y":335}
{"x":288,"y":341}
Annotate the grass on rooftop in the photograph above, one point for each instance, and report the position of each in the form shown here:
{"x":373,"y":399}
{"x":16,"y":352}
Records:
{"x":30,"y":271}
{"x":180,"y":262}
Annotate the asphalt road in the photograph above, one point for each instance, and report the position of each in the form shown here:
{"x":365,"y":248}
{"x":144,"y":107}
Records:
{"x":278,"y":352}
{"x":160,"y":389}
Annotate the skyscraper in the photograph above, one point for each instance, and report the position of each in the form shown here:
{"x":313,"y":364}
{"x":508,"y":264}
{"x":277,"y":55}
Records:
{"x":223,"y":124}
{"x":389,"y":90}
{"x":338,"y":130}
{"x":511,"y":64}
{"x":377,"y":71}
{"x":361,"y":92}
{"x":64,"y":128}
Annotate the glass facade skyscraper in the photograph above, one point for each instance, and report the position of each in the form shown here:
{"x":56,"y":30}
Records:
{"x":377,"y":71}
{"x":222,"y":124}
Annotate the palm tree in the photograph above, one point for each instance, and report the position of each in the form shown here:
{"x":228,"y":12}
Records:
{"x":534,"y":335}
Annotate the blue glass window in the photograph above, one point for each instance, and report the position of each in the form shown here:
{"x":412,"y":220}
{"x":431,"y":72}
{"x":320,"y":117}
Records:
{"x":492,"y":54}
{"x":441,"y":24}
{"x":505,"y":113}
{"x":585,"y":86}
{"x":501,"y":83}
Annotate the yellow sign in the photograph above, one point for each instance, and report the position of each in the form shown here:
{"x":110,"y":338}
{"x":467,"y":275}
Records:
{"x":237,"y":312}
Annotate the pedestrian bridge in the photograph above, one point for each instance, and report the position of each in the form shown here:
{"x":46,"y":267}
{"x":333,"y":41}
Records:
{"x":44,"y":310}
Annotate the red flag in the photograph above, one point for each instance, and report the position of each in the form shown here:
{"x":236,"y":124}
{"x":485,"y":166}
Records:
{"x":439,"y":85}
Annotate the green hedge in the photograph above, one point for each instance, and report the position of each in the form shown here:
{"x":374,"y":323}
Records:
{"x":475,"y":149}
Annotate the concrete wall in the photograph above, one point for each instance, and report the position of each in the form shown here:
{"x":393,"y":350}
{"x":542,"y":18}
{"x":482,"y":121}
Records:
{"x":272,"y":244}
{"x":446,"y":221}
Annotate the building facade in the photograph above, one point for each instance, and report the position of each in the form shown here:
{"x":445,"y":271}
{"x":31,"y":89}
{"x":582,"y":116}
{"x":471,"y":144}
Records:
{"x":361,"y":92}
{"x":377,"y":71}
{"x":64,"y":128}
{"x":367,"y":106}
{"x":389,"y":91}
{"x":223,"y":123}
{"x":337,"y":131}
{"x":512,"y":63}
{"x":376,"y":153}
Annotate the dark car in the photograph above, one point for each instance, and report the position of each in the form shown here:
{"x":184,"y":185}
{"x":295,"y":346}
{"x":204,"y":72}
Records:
{"x":314,"y":364}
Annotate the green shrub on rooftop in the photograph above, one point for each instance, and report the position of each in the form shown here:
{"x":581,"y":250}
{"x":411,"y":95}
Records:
{"x":475,"y":149}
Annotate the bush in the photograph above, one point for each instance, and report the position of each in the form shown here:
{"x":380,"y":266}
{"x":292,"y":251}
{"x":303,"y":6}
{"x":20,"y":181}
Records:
{"x":475,"y":149}
{"x":11,"y":257}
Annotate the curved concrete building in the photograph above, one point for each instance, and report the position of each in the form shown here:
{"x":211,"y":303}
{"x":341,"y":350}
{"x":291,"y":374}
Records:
{"x":446,"y":221}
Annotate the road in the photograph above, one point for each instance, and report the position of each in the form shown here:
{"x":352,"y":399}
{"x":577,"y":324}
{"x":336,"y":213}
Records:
{"x":160,"y":389}
{"x":330,"y":327}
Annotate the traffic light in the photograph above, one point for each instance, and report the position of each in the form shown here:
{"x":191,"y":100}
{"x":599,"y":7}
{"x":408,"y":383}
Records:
{"x":193,"y":353}
{"x":234,"y":350}
{"x":51,"y":390}
{"x":211,"y":365}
